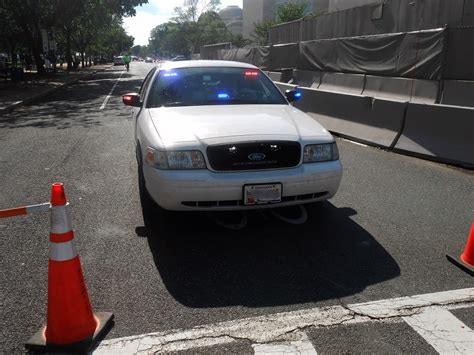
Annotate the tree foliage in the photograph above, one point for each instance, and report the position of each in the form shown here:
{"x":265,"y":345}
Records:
{"x":285,"y":13}
{"x":290,"y":12}
{"x":193,"y":25}
{"x":262,"y":31}
{"x":85,"y":26}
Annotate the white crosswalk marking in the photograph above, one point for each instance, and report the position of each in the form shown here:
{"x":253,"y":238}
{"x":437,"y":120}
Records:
{"x":300,"y":347}
{"x":277,"y":328}
{"x":443,"y":331}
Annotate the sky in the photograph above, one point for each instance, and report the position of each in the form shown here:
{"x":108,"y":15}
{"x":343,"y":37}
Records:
{"x":155,"y":13}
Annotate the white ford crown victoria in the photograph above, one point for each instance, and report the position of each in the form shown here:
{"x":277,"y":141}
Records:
{"x":217,"y":135}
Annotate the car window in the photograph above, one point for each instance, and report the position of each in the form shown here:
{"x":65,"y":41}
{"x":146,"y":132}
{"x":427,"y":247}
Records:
{"x":212,"y":86}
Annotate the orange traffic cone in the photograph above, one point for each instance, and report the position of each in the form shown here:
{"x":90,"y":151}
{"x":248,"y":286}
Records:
{"x":71,"y":325}
{"x":466,"y":259}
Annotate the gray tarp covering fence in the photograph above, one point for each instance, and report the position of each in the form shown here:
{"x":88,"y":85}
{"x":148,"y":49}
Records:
{"x":211,"y":51}
{"x":389,"y":16}
{"x":429,"y":54}
{"x":259,"y":56}
{"x":284,"y":56}
{"x":236,"y":54}
{"x":413,"y":54}
{"x":460,"y":54}
{"x":468,"y":14}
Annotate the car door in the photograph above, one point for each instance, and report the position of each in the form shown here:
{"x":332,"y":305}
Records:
{"x":142,"y":92}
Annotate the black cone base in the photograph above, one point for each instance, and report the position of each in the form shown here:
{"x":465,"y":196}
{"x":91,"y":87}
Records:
{"x":461,"y":264}
{"x":38,"y":342}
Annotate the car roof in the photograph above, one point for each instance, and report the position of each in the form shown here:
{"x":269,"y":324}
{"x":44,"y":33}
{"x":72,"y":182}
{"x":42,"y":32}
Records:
{"x":204,"y":64}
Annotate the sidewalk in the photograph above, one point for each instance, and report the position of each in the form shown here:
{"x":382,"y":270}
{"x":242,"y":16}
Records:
{"x":15,"y":94}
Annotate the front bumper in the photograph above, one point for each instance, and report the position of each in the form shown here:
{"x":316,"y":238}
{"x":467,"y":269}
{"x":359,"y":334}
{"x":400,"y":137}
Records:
{"x":204,"y":190}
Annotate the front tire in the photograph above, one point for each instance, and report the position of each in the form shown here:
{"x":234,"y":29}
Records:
{"x":150,"y":209}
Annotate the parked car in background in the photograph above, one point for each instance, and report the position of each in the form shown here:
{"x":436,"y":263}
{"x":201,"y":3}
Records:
{"x":178,"y":58}
{"x":118,"y":60}
{"x":219,"y":135}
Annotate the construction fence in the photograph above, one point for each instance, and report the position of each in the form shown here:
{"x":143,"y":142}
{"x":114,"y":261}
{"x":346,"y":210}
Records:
{"x":443,"y":53}
{"x":389,"y":16}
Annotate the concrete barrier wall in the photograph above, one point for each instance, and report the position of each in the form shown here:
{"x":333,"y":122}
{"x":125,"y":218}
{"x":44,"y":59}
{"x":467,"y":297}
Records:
{"x":439,"y":132}
{"x":275,"y":76}
{"x":443,"y":133}
{"x":457,"y":92}
{"x":284,"y":56}
{"x":342,"y":82}
{"x":425,"y":91}
{"x":388,"y":87}
{"x":306,"y":78}
{"x":400,"y":89}
{"x":361,"y":118}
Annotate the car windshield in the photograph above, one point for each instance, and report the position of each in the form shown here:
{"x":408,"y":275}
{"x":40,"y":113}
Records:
{"x":212,"y":86}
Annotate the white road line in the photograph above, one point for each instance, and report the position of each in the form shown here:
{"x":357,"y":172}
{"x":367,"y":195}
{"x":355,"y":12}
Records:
{"x":443,"y":331}
{"x":298,"y":347}
{"x":353,"y":142}
{"x":111,"y":91}
{"x":284,"y":326}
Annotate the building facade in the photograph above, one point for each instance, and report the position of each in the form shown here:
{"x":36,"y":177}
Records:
{"x":232,"y":17}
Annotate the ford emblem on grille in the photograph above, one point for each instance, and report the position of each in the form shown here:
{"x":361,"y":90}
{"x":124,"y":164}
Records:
{"x":256,"y":156}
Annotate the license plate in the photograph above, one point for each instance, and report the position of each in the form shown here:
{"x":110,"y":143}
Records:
{"x":260,"y":194}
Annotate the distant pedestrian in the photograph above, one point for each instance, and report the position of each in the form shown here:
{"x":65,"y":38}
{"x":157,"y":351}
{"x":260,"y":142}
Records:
{"x":126,"y":60}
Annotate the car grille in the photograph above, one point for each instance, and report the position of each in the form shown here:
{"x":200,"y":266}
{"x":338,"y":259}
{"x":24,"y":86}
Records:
{"x":228,"y":203}
{"x":254,"y":156}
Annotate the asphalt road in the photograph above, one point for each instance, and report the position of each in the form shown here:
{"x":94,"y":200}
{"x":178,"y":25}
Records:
{"x":384,"y":235}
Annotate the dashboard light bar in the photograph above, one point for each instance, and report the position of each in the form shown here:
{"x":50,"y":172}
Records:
{"x":223,"y":96}
{"x":251,"y":73}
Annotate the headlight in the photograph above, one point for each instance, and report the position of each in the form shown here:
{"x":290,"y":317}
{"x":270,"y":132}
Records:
{"x":320,"y":152}
{"x":175,"y":160}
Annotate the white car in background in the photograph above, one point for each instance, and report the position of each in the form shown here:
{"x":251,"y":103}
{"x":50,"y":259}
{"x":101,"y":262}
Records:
{"x":118,"y":60}
{"x":218,"y":135}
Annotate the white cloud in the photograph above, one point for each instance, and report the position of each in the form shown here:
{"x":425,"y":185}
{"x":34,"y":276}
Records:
{"x":155,"y":13}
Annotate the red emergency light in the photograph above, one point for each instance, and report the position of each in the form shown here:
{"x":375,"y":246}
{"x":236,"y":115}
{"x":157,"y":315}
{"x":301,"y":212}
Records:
{"x":251,"y":73}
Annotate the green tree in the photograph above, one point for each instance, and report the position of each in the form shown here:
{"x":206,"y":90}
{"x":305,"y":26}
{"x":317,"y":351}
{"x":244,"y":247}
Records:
{"x":192,"y":26}
{"x":239,"y":41}
{"x":291,"y":12}
{"x":285,"y":13}
{"x":262,"y":31}
{"x":168,"y":39}
{"x":30,"y":17}
{"x":11,"y":37}
{"x":78,"y":24}
{"x":211,"y":29}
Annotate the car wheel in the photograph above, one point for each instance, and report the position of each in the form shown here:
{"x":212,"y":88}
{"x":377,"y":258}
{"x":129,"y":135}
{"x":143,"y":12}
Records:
{"x":151,"y":211}
{"x":156,"y":218}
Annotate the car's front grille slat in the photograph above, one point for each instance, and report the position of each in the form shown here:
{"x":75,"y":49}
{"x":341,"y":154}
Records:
{"x":254,"y":155}
{"x":230,"y":203}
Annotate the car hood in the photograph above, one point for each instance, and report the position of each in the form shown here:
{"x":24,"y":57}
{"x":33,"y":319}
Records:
{"x":230,"y":123}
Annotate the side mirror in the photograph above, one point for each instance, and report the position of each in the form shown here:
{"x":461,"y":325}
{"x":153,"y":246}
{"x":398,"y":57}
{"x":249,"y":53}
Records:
{"x":293,"y":95}
{"x":131,"y":99}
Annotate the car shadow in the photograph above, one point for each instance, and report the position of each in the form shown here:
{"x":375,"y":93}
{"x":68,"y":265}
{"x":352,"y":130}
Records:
{"x":269,"y":263}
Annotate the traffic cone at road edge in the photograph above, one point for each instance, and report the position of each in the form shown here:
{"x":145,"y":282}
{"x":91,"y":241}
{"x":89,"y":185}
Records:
{"x":71,"y":325}
{"x":466,"y":260}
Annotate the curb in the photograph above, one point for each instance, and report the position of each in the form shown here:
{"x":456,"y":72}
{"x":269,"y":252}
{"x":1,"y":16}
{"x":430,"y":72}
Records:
{"x":30,"y":99}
